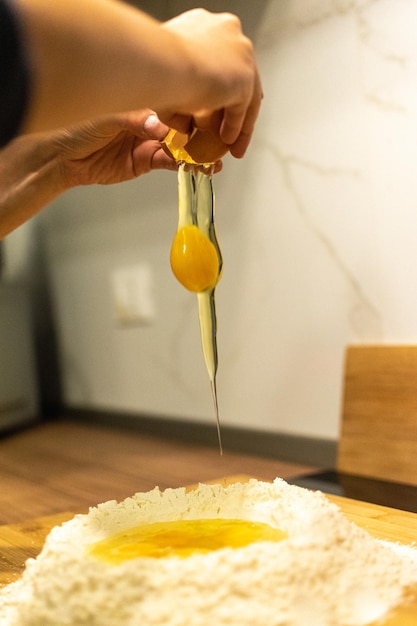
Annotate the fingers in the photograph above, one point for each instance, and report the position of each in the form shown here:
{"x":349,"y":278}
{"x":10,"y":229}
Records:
{"x":154,"y":128}
{"x":180,"y":122}
{"x":234,"y":125}
{"x":225,"y":76}
{"x":161,"y":161}
{"x":148,"y":153}
{"x":239,"y":146}
{"x":145,"y":124}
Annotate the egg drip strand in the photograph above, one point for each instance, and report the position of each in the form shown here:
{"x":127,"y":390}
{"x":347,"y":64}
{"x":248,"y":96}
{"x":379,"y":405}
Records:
{"x":196,"y":260}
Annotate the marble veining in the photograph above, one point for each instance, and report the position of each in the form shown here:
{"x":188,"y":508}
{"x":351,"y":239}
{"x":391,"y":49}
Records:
{"x":288,"y":164}
{"x":317,"y":226}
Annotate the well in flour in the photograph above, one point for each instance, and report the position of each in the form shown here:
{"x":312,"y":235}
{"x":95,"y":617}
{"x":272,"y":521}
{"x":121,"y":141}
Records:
{"x":326,"y":568}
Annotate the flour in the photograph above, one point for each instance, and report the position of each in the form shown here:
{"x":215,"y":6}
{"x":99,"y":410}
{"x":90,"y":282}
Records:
{"x":328,"y":572}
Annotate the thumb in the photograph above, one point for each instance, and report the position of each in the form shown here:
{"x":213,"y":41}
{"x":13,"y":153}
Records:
{"x":154,"y":128}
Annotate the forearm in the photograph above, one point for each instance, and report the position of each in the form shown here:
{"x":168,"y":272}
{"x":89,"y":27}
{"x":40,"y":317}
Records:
{"x":92,"y":57}
{"x":29,"y":179}
{"x":36,"y":168}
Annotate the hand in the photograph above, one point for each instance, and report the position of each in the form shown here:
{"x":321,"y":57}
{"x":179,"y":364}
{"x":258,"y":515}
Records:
{"x":225,"y":76}
{"x":36,"y":168}
{"x":111,"y":150}
{"x":186,"y":69}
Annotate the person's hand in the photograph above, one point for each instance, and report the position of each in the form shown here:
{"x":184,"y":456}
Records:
{"x":225,"y":76}
{"x":36,"y":168}
{"x":89,"y":59}
{"x":111,"y":150}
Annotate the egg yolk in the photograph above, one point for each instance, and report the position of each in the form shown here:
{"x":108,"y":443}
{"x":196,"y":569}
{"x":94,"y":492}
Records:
{"x":182,"y":538}
{"x":194,"y":259}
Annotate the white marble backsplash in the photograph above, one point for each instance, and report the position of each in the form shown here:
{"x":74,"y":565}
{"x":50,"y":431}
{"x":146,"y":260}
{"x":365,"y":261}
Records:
{"x":318,"y":226}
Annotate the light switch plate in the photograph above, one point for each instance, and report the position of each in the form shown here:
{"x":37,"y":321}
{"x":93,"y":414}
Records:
{"x":132,"y":298}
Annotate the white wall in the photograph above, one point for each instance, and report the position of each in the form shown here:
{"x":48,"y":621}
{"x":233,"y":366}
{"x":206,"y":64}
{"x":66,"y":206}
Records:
{"x":19,"y":399}
{"x":317,"y":226}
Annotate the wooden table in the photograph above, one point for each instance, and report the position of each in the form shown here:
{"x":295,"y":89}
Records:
{"x":21,"y":541}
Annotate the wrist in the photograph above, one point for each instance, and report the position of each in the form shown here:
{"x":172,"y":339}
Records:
{"x":29,"y":180}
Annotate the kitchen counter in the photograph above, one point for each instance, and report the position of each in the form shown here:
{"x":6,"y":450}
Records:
{"x":21,"y":541}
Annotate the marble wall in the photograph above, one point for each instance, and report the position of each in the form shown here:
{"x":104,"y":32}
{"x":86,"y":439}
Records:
{"x":317,"y":225}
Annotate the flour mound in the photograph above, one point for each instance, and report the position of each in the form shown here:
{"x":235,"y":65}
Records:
{"x":328,"y":572}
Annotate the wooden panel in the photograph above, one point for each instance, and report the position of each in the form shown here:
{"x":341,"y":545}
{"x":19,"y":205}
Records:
{"x":379,"y":415}
{"x":21,"y":541}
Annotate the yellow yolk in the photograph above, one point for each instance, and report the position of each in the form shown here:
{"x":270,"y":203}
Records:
{"x":182,"y":538}
{"x":194,"y":259}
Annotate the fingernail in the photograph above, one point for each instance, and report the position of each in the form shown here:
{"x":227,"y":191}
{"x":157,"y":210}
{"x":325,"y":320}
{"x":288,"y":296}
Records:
{"x":154,"y":127}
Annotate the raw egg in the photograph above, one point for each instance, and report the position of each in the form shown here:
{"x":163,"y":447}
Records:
{"x":194,"y":259}
{"x":200,"y":147}
{"x":182,"y":538}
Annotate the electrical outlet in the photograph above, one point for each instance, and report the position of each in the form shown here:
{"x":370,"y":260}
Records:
{"x":133,"y":302}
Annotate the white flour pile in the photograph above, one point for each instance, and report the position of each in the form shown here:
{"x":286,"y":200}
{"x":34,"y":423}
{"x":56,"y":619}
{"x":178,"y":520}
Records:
{"x":328,"y":572}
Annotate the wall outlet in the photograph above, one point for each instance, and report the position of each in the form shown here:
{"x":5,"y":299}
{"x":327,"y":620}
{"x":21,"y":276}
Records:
{"x":133,"y":302}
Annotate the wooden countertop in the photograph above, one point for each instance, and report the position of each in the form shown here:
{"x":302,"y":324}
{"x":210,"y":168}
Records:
{"x":20,"y":541}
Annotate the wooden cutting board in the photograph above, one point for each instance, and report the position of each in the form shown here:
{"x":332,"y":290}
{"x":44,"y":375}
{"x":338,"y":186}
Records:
{"x":19,"y":542}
